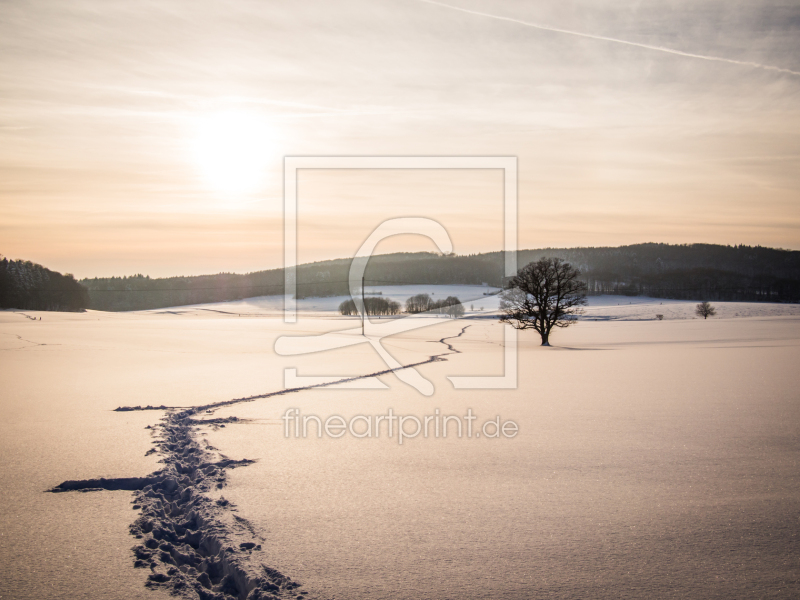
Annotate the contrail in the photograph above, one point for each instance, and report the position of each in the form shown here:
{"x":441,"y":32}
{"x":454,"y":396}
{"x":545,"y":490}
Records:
{"x":615,"y":40}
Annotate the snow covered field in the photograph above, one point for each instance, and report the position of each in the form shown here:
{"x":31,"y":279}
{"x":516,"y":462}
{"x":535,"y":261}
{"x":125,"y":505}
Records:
{"x":653,"y":459}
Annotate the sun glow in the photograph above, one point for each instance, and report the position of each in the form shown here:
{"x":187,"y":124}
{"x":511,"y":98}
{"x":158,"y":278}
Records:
{"x":233,"y":150}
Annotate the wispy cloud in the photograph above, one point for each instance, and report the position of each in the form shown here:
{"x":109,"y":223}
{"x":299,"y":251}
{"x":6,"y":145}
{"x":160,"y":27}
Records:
{"x":614,"y":40}
{"x":313,"y":110}
{"x":197,"y":98}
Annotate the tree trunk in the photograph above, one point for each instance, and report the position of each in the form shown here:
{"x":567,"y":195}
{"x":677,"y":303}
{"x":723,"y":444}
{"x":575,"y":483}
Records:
{"x":545,"y":337}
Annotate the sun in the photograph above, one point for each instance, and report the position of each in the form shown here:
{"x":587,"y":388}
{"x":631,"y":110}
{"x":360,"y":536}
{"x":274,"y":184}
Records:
{"x":232,"y":150}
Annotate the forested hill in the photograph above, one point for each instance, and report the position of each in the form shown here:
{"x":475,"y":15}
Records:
{"x":696,"y":271}
{"x":29,"y":286}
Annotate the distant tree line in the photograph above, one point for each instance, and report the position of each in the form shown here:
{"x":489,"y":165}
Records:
{"x":373,"y":306}
{"x":713,"y":272}
{"x":450,"y":306}
{"x":140,"y":292}
{"x":689,"y":284}
{"x":29,"y":286}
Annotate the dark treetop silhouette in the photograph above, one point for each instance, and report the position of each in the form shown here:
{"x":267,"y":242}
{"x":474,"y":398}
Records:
{"x":29,"y":286}
{"x":543,"y":295}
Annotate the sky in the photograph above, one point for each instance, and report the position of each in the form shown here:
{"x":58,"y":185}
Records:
{"x":148,"y":137}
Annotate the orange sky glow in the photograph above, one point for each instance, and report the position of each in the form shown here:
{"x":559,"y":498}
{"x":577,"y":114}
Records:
{"x":150,"y":138}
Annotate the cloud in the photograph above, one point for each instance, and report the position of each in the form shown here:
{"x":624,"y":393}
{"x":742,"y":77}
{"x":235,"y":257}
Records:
{"x":614,"y":40}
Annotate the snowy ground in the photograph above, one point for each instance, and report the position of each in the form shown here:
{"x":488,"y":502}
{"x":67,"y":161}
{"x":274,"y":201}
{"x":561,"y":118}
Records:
{"x":654,"y":458}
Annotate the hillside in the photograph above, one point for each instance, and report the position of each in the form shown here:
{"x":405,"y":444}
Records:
{"x":713,"y":272}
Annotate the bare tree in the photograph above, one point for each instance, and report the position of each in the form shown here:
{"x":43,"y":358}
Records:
{"x":705,"y":310}
{"x":347,"y":308}
{"x":419,"y":303}
{"x":543,"y":295}
{"x":423,"y":303}
{"x":452,"y":307}
{"x":373,"y":306}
